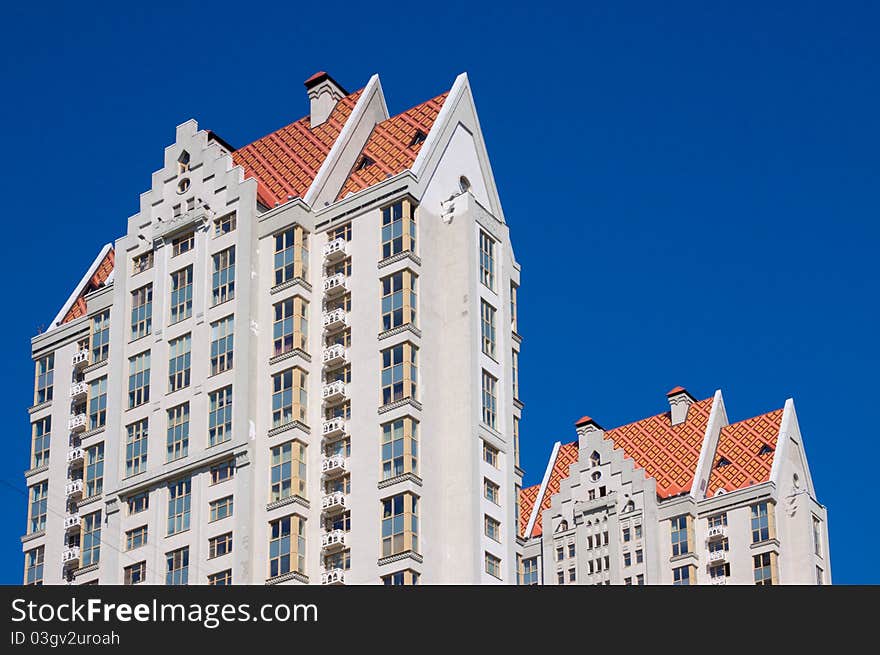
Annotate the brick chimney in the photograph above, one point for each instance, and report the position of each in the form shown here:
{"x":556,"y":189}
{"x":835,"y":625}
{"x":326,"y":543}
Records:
{"x":679,"y":403}
{"x":585,"y":427}
{"x":324,"y":92}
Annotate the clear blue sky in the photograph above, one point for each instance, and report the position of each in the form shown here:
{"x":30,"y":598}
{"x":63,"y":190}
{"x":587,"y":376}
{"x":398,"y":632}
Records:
{"x":692,"y":191}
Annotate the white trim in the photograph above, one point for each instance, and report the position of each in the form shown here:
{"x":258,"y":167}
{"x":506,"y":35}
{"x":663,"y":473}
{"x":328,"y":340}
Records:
{"x":455,"y":92}
{"x":79,"y":287}
{"x":716,"y":415}
{"x":540,"y":499}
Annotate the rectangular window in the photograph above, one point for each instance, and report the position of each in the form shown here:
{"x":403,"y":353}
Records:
{"x":136,"y":448}
{"x":288,"y":473}
{"x":681,"y":535}
{"x":179,"y":362}
{"x":760,"y":522}
{"x":220,"y":416}
{"x":530,"y":571}
{"x":223,"y":471}
{"x":487,"y":260}
{"x":401,"y":578}
{"x":626,"y":534}
{"x":638,"y":530}
{"x":221,"y":345}
{"x":136,"y":538}
{"x":627,"y":559}
{"x":220,"y":508}
{"x":398,"y":299}
{"x":290,"y":329}
{"x":33,"y":566}
{"x":41,"y":431}
{"x":400,"y":447}
{"x":141,"y":263}
{"x":487,"y":322}
{"x":491,"y":491}
{"x":141,"y":312}
{"x":289,"y":397}
{"x":398,"y":228}
{"x":291,"y":255}
{"x":513,"y":290}
{"x":817,"y":536}
{"x":640,"y":556}
{"x":572,"y":575}
{"x":223,"y":578}
{"x":399,"y":373}
{"x":640,"y":579}
{"x":91,"y":539}
{"x":219,"y":546}
{"x":490,"y":383}
{"x":571,"y":550}
{"x":516,"y":441}
{"x":287,"y":545}
{"x":139,"y":379}
{"x":681,"y":575}
{"x":38,"y":507}
{"x":95,"y":470}
{"x":138,"y":503}
{"x":560,"y":553}
{"x":719,"y":571}
{"x":764,"y":568}
{"x":100,"y":336}
{"x":400,"y":524}
{"x":44,"y":383}
{"x":179,"y":501}
{"x":223,"y":276}
{"x":493,"y":565}
{"x":98,"y":403}
{"x":224,"y":224}
{"x":718,"y":521}
{"x":183,"y":243}
{"x":136,"y":573}
{"x":177,"y":566}
{"x":560,"y":577}
{"x":177,"y":442}
{"x":492,"y":528}
{"x":490,"y":454}
{"x":181,"y":294}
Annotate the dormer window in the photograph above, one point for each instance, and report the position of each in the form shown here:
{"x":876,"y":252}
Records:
{"x":365,"y":162}
{"x":595,"y":460}
{"x":722,"y":462}
{"x":765,"y":450}
{"x":183,"y":163}
{"x":418,"y":138}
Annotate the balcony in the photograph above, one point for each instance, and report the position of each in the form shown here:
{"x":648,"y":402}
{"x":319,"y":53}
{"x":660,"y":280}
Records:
{"x":336,"y":284}
{"x":70,"y":556}
{"x":77,"y":423}
{"x":335,"y":355}
{"x":333,"y":576}
{"x":333,"y":502}
{"x":335,"y":250}
{"x":721,"y":579}
{"x":71,"y":522}
{"x":78,"y":389}
{"x":334,"y":465}
{"x":716,"y":532}
{"x":335,"y":427}
{"x":74,"y":488}
{"x":333,"y":392}
{"x":335,"y":320}
{"x":80,"y":358}
{"x":75,"y":456}
{"x":717,"y":556}
{"x":333,"y":540}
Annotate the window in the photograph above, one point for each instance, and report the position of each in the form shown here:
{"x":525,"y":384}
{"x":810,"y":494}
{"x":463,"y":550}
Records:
{"x":571,"y":550}
{"x":820,"y":577}
{"x":223,"y":578}
{"x":560,"y":553}
{"x":492,"y":528}
{"x":626,"y":534}
{"x":181,"y":294}
{"x":139,"y":379}
{"x":639,"y":556}
{"x":399,"y":373}
{"x":418,"y":137}
{"x":491,"y":491}
{"x":401,"y":578}
{"x":719,"y":571}
{"x":638,"y":531}
{"x":490,"y":383}
{"x":400,"y":447}
{"x":640,"y":579}
{"x":288,"y":471}
{"x":761,"y":522}
{"x":572,"y":575}
{"x":136,"y":573}
{"x":529,"y":571}
{"x":719,"y":546}
{"x":220,"y":509}
{"x":681,"y":535}
{"x":98,"y":403}
{"x":487,"y":260}
{"x":33,"y":566}
{"x":513,"y":290}
{"x":179,"y":499}
{"x":628,"y":582}
{"x":291,"y":255}
{"x":221,"y":345}
{"x":627,"y":559}
{"x":220,"y":416}
{"x":100,"y":336}
{"x":136,"y":538}
{"x":41,"y":432}
{"x":224,"y":224}
{"x":400,"y":524}
{"x":560,"y":577}
{"x":487,"y":323}
{"x":398,"y":299}
{"x":681,"y":575}
{"x":91,"y":539}
{"x":765,"y":567}
{"x":177,"y":442}
{"x":183,"y":243}
{"x":177,"y":566}
{"x":141,"y":263}
{"x":718,"y":521}
{"x":136,"y":448}
{"x":493,"y":565}
{"x":287,"y":545}
{"x":398,"y":228}
{"x":179,"y":362}
{"x":95,"y":470}
{"x":141,"y":312}
{"x":817,"y":536}
{"x":223,"y":471}
{"x":288,"y":397}
{"x":45,"y":376}
{"x":138,"y":503}
{"x":223,"y":276}
{"x":514,"y":371}
{"x":219,"y":546}
{"x":38,"y":507}
{"x":291,"y":327}
{"x":516,"y":441}
{"x":490,"y":454}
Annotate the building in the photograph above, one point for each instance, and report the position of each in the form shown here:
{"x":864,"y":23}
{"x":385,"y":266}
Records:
{"x":297,"y":365}
{"x":684,"y":497}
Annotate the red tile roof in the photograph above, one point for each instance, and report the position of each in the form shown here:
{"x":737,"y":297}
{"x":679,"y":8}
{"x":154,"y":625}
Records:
{"x":285,"y":162}
{"x":567,"y":455}
{"x":741,"y":445}
{"x":391,"y":147}
{"x":98,"y":279}
{"x":527,"y":498}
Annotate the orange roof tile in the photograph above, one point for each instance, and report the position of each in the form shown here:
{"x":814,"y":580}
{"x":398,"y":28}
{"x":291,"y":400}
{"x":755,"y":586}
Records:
{"x":391,"y":147}
{"x":98,"y":279}
{"x":567,"y":455}
{"x":527,"y":498}
{"x":741,"y":444}
{"x":285,"y":162}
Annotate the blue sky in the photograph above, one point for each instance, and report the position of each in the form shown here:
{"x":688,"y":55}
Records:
{"x":692,"y":191}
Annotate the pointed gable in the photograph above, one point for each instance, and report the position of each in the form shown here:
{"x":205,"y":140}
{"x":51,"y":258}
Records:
{"x":100,"y":273}
{"x":565,"y":457}
{"x":747,"y":448}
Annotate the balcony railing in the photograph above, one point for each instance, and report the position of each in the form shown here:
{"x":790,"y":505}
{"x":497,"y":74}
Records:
{"x":75,"y":455}
{"x":721,"y":579}
{"x":335,"y":319}
{"x":80,"y":358}
{"x":336,"y":250}
{"x":333,"y":502}
{"x":716,"y":532}
{"x":333,"y":539}
{"x":74,"y":488}
{"x":333,"y":428}
{"x":717,"y":555}
{"x":78,"y":389}
{"x":335,"y":355}
{"x":333,"y":392}
{"x":333,"y":576}
{"x":77,"y":422}
{"x":335,"y":284}
{"x":71,"y":521}
{"x":70,"y":555}
{"x":333,"y":465}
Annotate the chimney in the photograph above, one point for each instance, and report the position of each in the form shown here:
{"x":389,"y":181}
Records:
{"x":585,"y":427}
{"x":324,"y":92}
{"x":679,"y":403}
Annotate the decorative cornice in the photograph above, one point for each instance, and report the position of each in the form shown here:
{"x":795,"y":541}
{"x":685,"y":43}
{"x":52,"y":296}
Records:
{"x":294,"y":499}
{"x":296,"y":352}
{"x":39,"y":469}
{"x":409,"y":554}
{"x":290,"y":426}
{"x":415,"y":259}
{"x":293,"y":575}
{"x":197,"y":218}
{"x":90,"y":500}
{"x":291,"y":283}
{"x":411,"y":477}
{"x":92,"y":433}
{"x":86,"y":569}
{"x":415,"y":404}
{"x":38,"y":407}
{"x":409,"y":327}
{"x":32,"y":535}
{"x":95,"y":366}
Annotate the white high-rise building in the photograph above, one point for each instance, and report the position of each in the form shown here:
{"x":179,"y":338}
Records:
{"x":297,"y":365}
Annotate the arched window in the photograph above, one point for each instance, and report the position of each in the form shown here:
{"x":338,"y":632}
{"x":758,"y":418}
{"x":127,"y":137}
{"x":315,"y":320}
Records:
{"x":595,"y":460}
{"x":183,"y":163}
{"x":563,"y":526}
{"x":630,"y":506}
